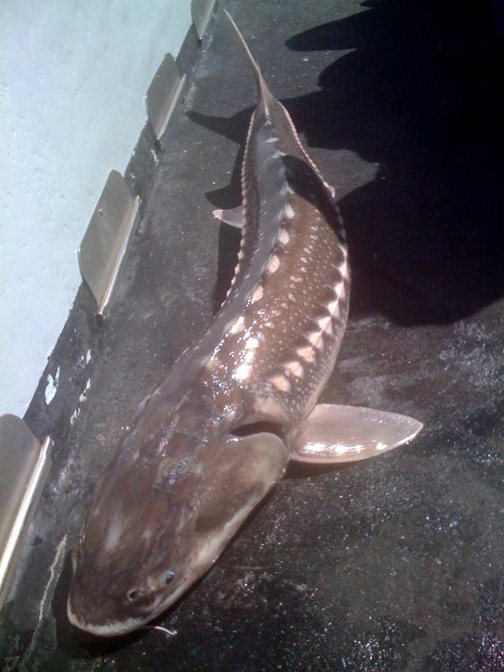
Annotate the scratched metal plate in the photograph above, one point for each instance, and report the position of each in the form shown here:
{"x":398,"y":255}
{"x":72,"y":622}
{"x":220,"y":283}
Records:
{"x":394,"y":564}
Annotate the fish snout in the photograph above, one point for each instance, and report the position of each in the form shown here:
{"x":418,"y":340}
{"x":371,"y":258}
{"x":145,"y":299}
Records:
{"x":109,"y":606}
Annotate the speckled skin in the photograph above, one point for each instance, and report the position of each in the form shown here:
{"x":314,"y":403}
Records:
{"x":217,"y":434}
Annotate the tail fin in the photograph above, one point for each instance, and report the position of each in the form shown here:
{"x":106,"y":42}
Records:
{"x":265,"y":95}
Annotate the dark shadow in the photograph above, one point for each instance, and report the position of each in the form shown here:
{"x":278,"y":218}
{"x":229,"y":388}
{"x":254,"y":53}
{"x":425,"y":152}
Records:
{"x":302,"y":470}
{"x":234,"y":128}
{"x":420,"y":96}
{"x":228,"y":197}
{"x":229,"y":244}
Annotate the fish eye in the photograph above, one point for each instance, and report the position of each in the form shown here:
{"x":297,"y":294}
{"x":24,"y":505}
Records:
{"x":168,"y":577}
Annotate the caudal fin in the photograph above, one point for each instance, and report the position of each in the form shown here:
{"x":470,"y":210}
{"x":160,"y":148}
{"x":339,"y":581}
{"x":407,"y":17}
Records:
{"x":265,"y":95}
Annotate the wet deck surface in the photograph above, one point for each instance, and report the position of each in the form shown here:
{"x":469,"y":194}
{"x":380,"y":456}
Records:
{"x":390,"y":565}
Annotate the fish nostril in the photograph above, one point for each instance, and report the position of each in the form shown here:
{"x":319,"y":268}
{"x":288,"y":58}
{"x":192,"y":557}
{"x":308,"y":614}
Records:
{"x":134,"y":594}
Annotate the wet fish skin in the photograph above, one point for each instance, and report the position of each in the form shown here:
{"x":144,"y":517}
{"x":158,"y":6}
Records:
{"x":218,"y":433}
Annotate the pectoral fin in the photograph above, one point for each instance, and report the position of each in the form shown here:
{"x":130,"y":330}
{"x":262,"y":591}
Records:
{"x":233,"y":217}
{"x":340,"y":434}
{"x":244,"y":470}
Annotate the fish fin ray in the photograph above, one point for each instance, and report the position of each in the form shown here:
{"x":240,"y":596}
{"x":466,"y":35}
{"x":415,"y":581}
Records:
{"x":233,"y":216}
{"x":334,"y":434}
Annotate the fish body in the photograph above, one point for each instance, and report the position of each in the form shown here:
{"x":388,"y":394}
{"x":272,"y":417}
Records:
{"x":218,"y":433}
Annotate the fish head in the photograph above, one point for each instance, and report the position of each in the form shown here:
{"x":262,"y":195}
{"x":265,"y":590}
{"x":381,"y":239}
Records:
{"x":125,"y":565}
{"x":153,"y":530}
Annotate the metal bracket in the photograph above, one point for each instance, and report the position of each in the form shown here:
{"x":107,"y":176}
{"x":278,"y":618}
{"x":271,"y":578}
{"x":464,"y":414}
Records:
{"x":201,"y":12}
{"x":107,"y":239}
{"x":164,"y":94}
{"x":24,"y":468}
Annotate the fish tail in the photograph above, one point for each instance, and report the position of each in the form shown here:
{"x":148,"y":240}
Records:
{"x":265,"y":95}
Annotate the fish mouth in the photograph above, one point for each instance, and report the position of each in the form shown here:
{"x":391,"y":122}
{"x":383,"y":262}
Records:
{"x":108,"y":629}
{"x":117,"y":627}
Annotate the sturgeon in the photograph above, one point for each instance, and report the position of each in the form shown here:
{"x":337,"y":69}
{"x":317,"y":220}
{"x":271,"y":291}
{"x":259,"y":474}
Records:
{"x":217,"y":435}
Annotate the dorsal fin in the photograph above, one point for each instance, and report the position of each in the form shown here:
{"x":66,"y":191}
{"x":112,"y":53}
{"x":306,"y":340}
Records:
{"x":265,"y":95}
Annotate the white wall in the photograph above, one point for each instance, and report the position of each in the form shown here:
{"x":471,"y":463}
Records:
{"x":73,"y":76}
